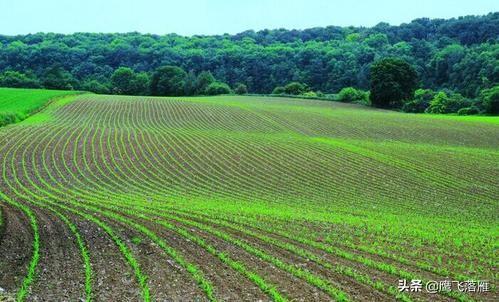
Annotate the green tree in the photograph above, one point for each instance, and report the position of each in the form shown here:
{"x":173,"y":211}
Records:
{"x":140,"y":84}
{"x":445,"y":60}
{"x":205,"y":78}
{"x":241,"y":89}
{"x":122,"y":81}
{"x":58,"y":78}
{"x":421,"y":101}
{"x":447,"y":103}
{"x":459,"y":54}
{"x":376,"y":40}
{"x":392,"y":82}
{"x":96,"y":87}
{"x":217,"y":88}
{"x":490,"y":100}
{"x":190,"y":83}
{"x":16,"y":79}
{"x":168,"y":80}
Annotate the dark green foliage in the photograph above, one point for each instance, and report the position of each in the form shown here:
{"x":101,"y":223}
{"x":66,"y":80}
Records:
{"x":16,"y":79}
{"x":168,"y":80}
{"x":352,"y":95}
{"x":444,"y":61}
{"x":122,"y":79}
{"x":421,"y":101}
{"x":392,"y":82}
{"x":125,"y":81}
{"x":141,"y":84}
{"x":459,"y":54}
{"x":447,"y":103}
{"x":190,"y":85}
{"x":217,"y":88}
{"x":96,"y":87}
{"x":490,"y":100}
{"x":296,"y":88}
{"x":241,"y":89}
{"x":205,"y":78}
{"x":278,"y":90}
{"x":58,"y":78}
{"x":377,"y":40}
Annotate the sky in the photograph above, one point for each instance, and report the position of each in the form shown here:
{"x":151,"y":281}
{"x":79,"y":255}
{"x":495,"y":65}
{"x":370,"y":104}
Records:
{"x":206,"y":17}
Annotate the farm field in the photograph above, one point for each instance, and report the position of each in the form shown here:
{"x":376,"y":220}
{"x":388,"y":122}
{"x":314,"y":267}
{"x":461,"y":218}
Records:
{"x":234,"y":198}
{"x":17,"y":104}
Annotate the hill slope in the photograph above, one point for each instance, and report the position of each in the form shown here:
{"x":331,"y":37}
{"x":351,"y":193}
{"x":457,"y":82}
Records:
{"x":244,"y":198}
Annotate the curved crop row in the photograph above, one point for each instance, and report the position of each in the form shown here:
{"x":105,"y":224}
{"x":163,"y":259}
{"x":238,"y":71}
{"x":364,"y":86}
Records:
{"x":229,"y":174}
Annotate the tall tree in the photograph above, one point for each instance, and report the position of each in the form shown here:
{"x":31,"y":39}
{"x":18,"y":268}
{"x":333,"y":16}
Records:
{"x":141,"y":84}
{"x":58,"y":78}
{"x":168,"y":80}
{"x":122,"y":81}
{"x":205,"y":78}
{"x":392,"y":81}
{"x":190,"y":83}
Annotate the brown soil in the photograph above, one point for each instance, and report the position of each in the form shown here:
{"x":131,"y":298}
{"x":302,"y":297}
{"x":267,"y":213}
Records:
{"x":15,"y":248}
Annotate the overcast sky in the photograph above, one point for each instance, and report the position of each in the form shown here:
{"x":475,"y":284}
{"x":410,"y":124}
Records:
{"x":189,"y":17}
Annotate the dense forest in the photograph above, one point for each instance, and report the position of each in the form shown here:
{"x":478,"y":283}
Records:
{"x":459,"y":55}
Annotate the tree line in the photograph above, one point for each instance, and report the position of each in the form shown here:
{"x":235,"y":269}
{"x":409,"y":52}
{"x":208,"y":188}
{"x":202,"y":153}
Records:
{"x":458,"y":55}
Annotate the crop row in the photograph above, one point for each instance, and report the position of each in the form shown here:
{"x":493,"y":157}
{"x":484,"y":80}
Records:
{"x":122,"y":164}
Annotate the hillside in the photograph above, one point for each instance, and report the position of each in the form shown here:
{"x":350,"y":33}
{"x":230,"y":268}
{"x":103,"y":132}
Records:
{"x":244,"y":198}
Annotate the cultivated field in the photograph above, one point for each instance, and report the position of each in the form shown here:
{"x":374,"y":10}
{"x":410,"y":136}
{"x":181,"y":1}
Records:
{"x":17,"y":104}
{"x":112,"y":198}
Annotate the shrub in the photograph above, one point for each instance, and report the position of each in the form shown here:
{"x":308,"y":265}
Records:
{"x":241,"y":89}
{"x":309,"y":94}
{"x":296,"y":88}
{"x":468,"y":111}
{"x":217,"y":88}
{"x":490,"y":100}
{"x":352,"y":95}
{"x":330,"y":97}
{"x":278,"y":90}
{"x":421,"y":101}
{"x":447,"y":103}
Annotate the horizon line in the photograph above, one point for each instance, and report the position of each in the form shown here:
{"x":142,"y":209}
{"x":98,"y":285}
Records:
{"x":247,"y":30}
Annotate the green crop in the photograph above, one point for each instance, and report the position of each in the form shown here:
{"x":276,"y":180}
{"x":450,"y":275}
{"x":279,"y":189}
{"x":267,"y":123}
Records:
{"x":329,"y":194}
{"x":18,"y":104}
